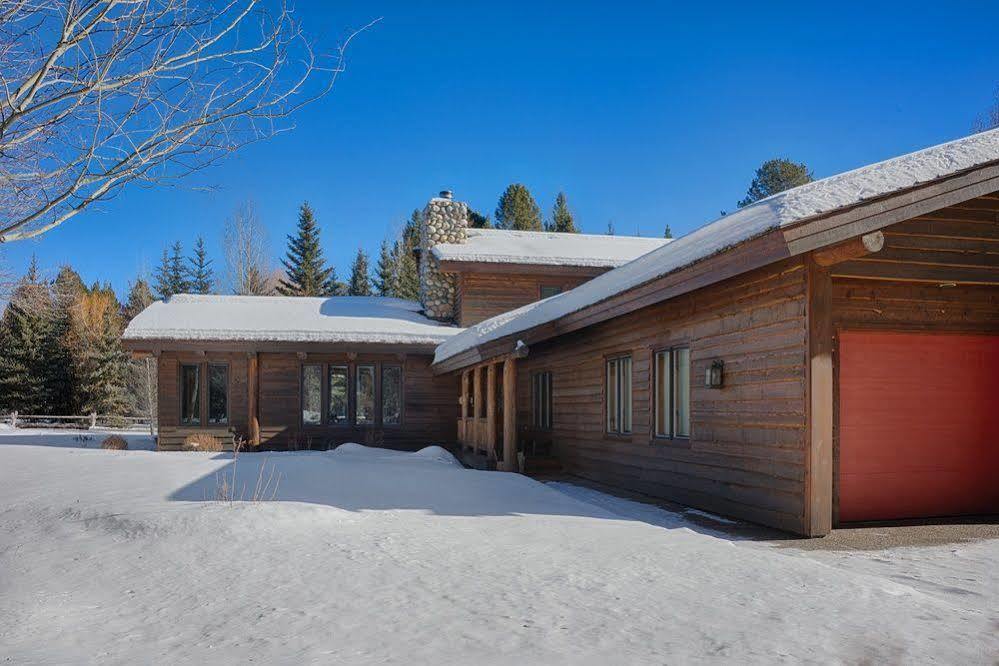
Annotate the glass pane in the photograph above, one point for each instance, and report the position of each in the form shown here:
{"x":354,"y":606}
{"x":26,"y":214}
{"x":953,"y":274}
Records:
{"x":338,"y":394}
{"x":312,"y":394}
{"x":662,"y":394}
{"x":218,"y":394}
{"x":625,"y":365}
{"x":391,"y":394}
{"x":548,"y":400}
{"x":547,"y":291}
{"x":365,"y":394}
{"x":190,"y":402}
{"x":681,"y":392}
{"x":612,"y":389}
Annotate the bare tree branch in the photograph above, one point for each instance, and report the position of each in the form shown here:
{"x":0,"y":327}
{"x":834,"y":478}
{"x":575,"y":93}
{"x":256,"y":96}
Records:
{"x":97,"y":94}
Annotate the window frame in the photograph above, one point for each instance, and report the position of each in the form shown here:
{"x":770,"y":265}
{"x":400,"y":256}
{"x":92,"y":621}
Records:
{"x":542,"y":416}
{"x":541,"y":290}
{"x":301,"y":394}
{"x":327,"y":376}
{"x":200,"y":423}
{"x":381,"y":394}
{"x":352,"y":380}
{"x":618,"y":394}
{"x":670,"y":403}
{"x":208,"y":394}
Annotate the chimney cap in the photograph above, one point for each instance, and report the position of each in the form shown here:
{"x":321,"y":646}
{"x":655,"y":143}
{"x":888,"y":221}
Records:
{"x":447,"y":194}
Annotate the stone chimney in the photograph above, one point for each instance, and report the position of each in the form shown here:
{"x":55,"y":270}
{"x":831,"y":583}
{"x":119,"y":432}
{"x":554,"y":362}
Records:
{"x":444,"y":220}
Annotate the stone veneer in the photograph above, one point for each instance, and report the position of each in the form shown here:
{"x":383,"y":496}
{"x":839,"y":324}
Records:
{"x":444,"y":221}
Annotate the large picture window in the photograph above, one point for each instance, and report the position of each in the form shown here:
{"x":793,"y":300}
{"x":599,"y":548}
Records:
{"x":619,"y":395}
{"x":190,"y":394}
{"x":541,"y":399}
{"x":218,"y":394}
{"x":672,"y":392}
{"x":341,"y":394}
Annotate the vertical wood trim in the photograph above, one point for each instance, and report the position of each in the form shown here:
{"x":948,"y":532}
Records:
{"x":510,"y":415}
{"x":490,"y":439}
{"x":477,"y":407}
{"x":819,"y":454}
{"x":252,"y":392}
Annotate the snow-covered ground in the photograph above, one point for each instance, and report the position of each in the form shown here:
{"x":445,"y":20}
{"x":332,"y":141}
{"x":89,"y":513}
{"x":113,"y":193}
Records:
{"x":371,"y":556}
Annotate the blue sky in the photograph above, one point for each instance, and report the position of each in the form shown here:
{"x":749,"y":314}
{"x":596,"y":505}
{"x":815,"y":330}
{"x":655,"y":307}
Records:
{"x":645,"y":114}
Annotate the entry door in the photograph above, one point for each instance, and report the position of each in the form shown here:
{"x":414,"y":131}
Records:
{"x":919,"y":425}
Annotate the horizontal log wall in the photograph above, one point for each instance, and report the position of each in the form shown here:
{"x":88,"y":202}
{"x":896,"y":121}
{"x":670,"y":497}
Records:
{"x":484,"y":295}
{"x":747,"y":451}
{"x":171,"y":433}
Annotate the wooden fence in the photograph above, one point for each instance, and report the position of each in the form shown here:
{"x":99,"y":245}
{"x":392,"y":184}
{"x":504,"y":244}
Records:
{"x":82,"y":421}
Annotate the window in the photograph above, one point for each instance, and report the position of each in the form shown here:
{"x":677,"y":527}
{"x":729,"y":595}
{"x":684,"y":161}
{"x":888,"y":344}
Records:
{"x":542,"y":400}
{"x":549,"y":290}
{"x":218,"y":394}
{"x":339,"y":383}
{"x":672,"y":392}
{"x":391,"y":395}
{"x":190,"y":399}
{"x":619,"y":395}
{"x":365,"y":394}
{"x":312,"y":394}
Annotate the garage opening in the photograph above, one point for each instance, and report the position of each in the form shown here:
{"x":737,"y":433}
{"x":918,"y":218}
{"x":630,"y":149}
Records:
{"x":919,"y":425}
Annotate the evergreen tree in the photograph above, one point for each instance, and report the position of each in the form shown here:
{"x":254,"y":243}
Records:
{"x":25,"y":334}
{"x":102,"y":364}
{"x":610,"y":227}
{"x":775,"y":176}
{"x":306,"y":271}
{"x":360,"y":281}
{"x":668,"y":233}
{"x":407,"y":277}
{"x":139,"y":298}
{"x":562,"y":220}
{"x":171,"y":276}
{"x":384,"y":281}
{"x":477,"y":220}
{"x":200,"y":274}
{"x":60,"y":373}
{"x":517,"y":210}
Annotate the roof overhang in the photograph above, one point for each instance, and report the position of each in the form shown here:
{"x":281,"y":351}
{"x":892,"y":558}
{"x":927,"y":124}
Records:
{"x":775,"y":245}
{"x":151,"y":346}
{"x":514,"y":268}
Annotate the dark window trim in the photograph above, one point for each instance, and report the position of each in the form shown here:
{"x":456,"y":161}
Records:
{"x":537,"y":418}
{"x":670,"y":352}
{"x":541,"y":290}
{"x":180,"y":392}
{"x":402,"y":394}
{"x":619,"y":434}
{"x":352,"y":376}
{"x":301,"y":395}
{"x":228,"y":393}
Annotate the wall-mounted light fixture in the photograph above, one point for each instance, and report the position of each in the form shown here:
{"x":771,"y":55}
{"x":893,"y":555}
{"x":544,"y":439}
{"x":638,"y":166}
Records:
{"x":714,"y":376}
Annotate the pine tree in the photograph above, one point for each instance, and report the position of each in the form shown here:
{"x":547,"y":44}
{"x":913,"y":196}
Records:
{"x":102,"y":364}
{"x":384,"y":281}
{"x":25,"y":335}
{"x":139,"y":298}
{"x":775,"y":176}
{"x":407,"y":277}
{"x":517,"y":210}
{"x":477,"y":220}
{"x":360,"y":281}
{"x":200,"y":274}
{"x":60,"y":373}
{"x":610,"y":227}
{"x":562,"y":220}
{"x":171,"y":277}
{"x":307,"y":272}
{"x":668,"y":233}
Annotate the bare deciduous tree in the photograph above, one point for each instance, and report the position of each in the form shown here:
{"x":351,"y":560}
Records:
{"x":990,"y":119}
{"x":246,"y":253}
{"x":97,"y":94}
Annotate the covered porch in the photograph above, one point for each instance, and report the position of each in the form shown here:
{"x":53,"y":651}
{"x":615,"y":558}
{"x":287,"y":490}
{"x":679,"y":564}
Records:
{"x":487,"y":412}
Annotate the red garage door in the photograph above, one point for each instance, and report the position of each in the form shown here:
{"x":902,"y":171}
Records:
{"x":919,"y":425}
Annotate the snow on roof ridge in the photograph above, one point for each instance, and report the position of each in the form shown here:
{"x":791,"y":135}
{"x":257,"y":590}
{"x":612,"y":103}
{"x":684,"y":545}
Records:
{"x":795,"y":205}
{"x":562,"y":234}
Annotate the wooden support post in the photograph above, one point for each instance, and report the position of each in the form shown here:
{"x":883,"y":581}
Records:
{"x":490,"y":437}
{"x":852,"y":249}
{"x":477,"y":408}
{"x":510,"y":415}
{"x":253,"y":398}
{"x":819,"y":445}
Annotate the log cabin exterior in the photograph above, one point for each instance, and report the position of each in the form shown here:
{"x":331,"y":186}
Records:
{"x":827,"y":355}
{"x":855,"y":350}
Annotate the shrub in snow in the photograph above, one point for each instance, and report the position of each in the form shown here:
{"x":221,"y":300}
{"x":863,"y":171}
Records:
{"x":114,"y":443}
{"x":202,"y":441}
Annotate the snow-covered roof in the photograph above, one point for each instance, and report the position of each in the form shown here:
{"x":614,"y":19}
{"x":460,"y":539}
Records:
{"x":780,"y":210}
{"x":352,"y":319}
{"x":500,"y":246}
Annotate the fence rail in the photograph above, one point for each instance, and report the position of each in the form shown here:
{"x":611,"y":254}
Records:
{"x":85,"y":421}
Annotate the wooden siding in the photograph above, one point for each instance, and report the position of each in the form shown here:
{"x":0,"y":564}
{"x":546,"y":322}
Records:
{"x":746,"y":455}
{"x":429,"y":406}
{"x":484,"y":295}
{"x":171,"y":432}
